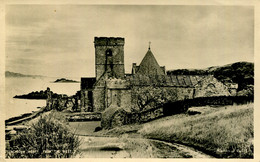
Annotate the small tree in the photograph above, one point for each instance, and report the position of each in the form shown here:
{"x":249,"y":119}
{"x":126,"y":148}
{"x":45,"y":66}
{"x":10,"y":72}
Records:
{"x":47,"y":138}
{"x":152,"y":96}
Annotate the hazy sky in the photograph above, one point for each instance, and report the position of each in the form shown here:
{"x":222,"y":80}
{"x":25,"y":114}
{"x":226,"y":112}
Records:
{"x":57,"y":40}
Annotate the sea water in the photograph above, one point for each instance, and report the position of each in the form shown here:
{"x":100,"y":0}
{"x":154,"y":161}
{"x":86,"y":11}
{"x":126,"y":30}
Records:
{"x":24,"y":85}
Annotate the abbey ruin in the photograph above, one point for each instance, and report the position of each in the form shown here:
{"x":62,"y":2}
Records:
{"x":112,"y":87}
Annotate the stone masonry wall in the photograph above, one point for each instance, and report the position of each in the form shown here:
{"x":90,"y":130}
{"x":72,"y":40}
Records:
{"x":118,"y":93}
{"x":86,"y":100}
{"x":158,"y":95}
{"x":183,"y":93}
{"x":98,"y":99}
{"x":209,"y":87}
{"x":119,"y":98}
{"x":116,"y":46}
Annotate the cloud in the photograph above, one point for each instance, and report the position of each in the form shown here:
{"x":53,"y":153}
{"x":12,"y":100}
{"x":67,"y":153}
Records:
{"x":181,"y":36}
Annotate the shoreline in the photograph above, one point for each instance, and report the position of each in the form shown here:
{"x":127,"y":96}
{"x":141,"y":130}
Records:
{"x":29,"y":98}
{"x":23,"y":117}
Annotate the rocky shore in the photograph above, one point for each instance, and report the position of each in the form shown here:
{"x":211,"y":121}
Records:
{"x":17,"y":124}
{"x":23,"y":117}
{"x":42,"y":95}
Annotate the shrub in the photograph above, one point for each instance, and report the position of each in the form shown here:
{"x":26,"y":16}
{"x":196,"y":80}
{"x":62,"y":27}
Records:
{"x":47,"y":138}
{"x":149,"y":97}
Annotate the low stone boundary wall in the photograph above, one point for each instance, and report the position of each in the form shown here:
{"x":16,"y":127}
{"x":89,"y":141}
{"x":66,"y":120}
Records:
{"x":118,"y":118}
{"x":88,"y":116}
{"x":144,"y":116}
{"x":177,"y":107}
{"x":183,"y":105}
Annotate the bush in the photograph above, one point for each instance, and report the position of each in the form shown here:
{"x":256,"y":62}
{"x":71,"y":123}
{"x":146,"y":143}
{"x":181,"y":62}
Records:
{"x":47,"y":138}
{"x":150,"y":97}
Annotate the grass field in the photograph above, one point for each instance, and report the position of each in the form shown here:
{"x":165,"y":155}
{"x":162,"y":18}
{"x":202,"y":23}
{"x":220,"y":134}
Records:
{"x":225,"y":132}
{"x":85,"y":128}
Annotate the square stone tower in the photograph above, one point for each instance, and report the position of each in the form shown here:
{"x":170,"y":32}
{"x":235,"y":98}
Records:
{"x":109,"y":52}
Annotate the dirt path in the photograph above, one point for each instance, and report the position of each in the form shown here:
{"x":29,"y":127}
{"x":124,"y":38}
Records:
{"x":127,"y":143}
{"x":188,"y":152}
{"x":126,"y":147}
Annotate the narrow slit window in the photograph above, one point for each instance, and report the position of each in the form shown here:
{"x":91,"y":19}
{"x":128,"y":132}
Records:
{"x":109,"y":52}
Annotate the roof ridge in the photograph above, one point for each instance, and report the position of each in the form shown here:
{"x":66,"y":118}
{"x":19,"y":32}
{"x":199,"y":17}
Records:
{"x":149,"y":64}
{"x":147,"y":56}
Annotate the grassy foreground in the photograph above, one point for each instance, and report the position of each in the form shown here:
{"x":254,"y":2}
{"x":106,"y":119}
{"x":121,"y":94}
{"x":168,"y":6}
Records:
{"x":225,"y":132}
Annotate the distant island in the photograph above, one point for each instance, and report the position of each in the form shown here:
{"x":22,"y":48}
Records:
{"x":13,"y":74}
{"x":64,"y":80}
{"x":36,"y":95}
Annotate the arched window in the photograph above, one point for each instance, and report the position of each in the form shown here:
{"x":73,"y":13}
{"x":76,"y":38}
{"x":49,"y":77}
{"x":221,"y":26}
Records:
{"x":109,"y":52}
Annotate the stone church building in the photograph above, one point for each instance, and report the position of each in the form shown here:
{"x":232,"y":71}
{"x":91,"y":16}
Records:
{"x":113,"y":87}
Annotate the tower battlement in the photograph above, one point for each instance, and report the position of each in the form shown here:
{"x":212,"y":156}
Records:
{"x":109,"y":41}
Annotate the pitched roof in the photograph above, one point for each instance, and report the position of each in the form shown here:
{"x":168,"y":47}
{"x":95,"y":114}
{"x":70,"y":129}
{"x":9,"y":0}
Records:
{"x":149,"y":65}
{"x":166,"y":80}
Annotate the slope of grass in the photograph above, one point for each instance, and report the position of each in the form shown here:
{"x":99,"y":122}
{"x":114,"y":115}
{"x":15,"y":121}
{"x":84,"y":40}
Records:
{"x":226,"y":133}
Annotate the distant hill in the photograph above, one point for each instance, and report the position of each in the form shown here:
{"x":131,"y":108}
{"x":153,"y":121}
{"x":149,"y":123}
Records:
{"x":12,"y":74}
{"x":241,"y":73}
